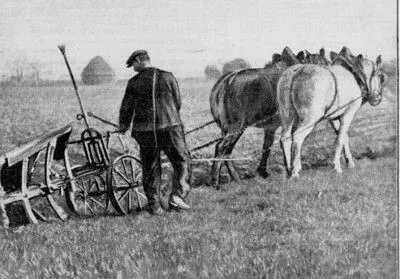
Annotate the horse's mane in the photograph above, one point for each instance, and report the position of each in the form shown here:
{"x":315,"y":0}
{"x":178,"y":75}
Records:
{"x":357,"y":71}
{"x":271,"y":65}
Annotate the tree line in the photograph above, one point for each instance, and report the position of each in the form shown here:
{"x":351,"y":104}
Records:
{"x":212,"y":71}
{"x":27,"y":71}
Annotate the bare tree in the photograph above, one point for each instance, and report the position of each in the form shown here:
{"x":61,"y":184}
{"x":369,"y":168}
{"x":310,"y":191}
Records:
{"x":17,"y":69}
{"x":212,"y":72}
{"x":234,"y":65}
{"x":24,"y":69}
{"x":35,"y":69}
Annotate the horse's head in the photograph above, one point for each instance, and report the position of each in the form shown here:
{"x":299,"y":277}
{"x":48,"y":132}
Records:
{"x":375,"y":79}
{"x":368,"y":74}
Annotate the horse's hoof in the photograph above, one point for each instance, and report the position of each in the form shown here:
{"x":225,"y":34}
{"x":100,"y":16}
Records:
{"x":294,"y":176}
{"x":351,"y":165}
{"x":215,"y":185}
{"x":263,"y":173}
{"x":338,"y":170}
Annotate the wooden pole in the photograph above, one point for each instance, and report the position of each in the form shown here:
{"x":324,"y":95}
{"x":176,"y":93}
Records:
{"x":62,"y":49}
{"x":90,"y":114}
{"x":200,"y":127}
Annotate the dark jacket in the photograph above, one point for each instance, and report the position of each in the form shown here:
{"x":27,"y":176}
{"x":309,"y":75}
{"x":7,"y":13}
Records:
{"x":138,"y":103}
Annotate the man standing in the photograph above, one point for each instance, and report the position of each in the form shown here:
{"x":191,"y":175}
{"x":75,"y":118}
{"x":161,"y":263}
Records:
{"x":151,"y":103}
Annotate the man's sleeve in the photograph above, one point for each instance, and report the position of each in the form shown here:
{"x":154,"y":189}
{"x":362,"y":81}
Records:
{"x":127,"y":109}
{"x":175,"y":92}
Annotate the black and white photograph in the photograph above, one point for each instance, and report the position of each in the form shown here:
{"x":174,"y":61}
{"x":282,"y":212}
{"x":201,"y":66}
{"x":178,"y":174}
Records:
{"x":199,"y":139}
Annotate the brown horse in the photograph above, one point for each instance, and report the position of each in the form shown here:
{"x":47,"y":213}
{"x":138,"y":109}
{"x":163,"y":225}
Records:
{"x":248,"y":98}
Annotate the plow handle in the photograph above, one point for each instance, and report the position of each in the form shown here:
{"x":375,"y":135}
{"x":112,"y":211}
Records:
{"x":83,"y":114}
{"x":102,"y":119}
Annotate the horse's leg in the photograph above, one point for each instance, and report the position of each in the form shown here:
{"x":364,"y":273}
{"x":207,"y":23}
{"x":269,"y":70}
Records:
{"x":268,"y":140}
{"x":287,"y":139}
{"x":224,"y":147}
{"x":347,"y":152}
{"x":269,"y":135}
{"x":229,"y":164}
{"x":346,"y":149}
{"x":286,"y":145}
{"x":216,"y":167}
{"x":342,"y":140}
{"x":302,"y":131}
{"x":233,"y":172}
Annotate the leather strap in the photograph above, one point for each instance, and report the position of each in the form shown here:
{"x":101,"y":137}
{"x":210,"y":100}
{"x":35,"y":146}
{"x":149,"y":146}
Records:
{"x":336,"y":92}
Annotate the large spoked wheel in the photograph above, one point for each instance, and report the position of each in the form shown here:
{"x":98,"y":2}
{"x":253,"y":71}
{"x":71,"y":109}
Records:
{"x":124,"y":182}
{"x":88,"y":196}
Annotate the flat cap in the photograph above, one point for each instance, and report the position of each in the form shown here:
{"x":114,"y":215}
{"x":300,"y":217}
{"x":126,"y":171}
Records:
{"x":141,"y":53}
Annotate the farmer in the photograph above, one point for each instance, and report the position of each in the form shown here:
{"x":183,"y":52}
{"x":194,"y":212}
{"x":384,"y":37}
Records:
{"x":153,"y":100}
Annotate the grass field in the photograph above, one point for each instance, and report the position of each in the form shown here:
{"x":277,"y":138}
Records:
{"x":320,"y":226}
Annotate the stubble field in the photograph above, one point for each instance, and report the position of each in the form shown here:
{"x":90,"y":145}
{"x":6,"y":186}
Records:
{"x":322,"y":225}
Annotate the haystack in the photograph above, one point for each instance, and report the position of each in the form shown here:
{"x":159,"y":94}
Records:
{"x":97,"y":71}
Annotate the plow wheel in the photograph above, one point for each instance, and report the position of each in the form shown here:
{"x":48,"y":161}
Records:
{"x":124,"y":182}
{"x":88,"y":196}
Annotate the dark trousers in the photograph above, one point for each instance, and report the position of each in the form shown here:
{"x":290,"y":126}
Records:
{"x":172,"y":142}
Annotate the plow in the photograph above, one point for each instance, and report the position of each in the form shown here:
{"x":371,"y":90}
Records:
{"x":42,"y":168}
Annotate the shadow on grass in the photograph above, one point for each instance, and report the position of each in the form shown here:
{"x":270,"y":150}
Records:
{"x":373,"y":155}
{"x":202,"y":174}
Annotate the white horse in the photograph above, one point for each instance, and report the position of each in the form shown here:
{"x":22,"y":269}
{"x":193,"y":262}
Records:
{"x":309,"y":93}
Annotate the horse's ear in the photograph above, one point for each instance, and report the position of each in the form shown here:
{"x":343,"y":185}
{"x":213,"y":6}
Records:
{"x":322,"y":52}
{"x":300,"y":55}
{"x":360,"y":57}
{"x":308,"y":53}
{"x":289,"y":57}
{"x":345,"y":52}
{"x":286,"y":50}
{"x":276,"y":57}
{"x":333,"y":55}
{"x":379,"y":61}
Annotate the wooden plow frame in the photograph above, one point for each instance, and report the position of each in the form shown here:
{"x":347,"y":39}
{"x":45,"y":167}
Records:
{"x":18,"y":168}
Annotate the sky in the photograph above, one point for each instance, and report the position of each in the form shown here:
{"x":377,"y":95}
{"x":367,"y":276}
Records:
{"x":184,"y":36}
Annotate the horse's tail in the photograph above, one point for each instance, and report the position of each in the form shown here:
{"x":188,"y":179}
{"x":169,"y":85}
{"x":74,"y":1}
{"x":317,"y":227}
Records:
{"x":217,"y":96}
{"x":286,"y":105}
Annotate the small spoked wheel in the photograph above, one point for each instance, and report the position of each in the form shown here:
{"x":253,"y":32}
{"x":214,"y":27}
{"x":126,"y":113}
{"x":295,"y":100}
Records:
{"x":124,"y":182}
{"x":89,"y":196}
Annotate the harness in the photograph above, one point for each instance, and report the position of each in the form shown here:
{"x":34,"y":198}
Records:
{"x":336,"y":97}
{"x":358,"y":75}
{"x":372,"y":74}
